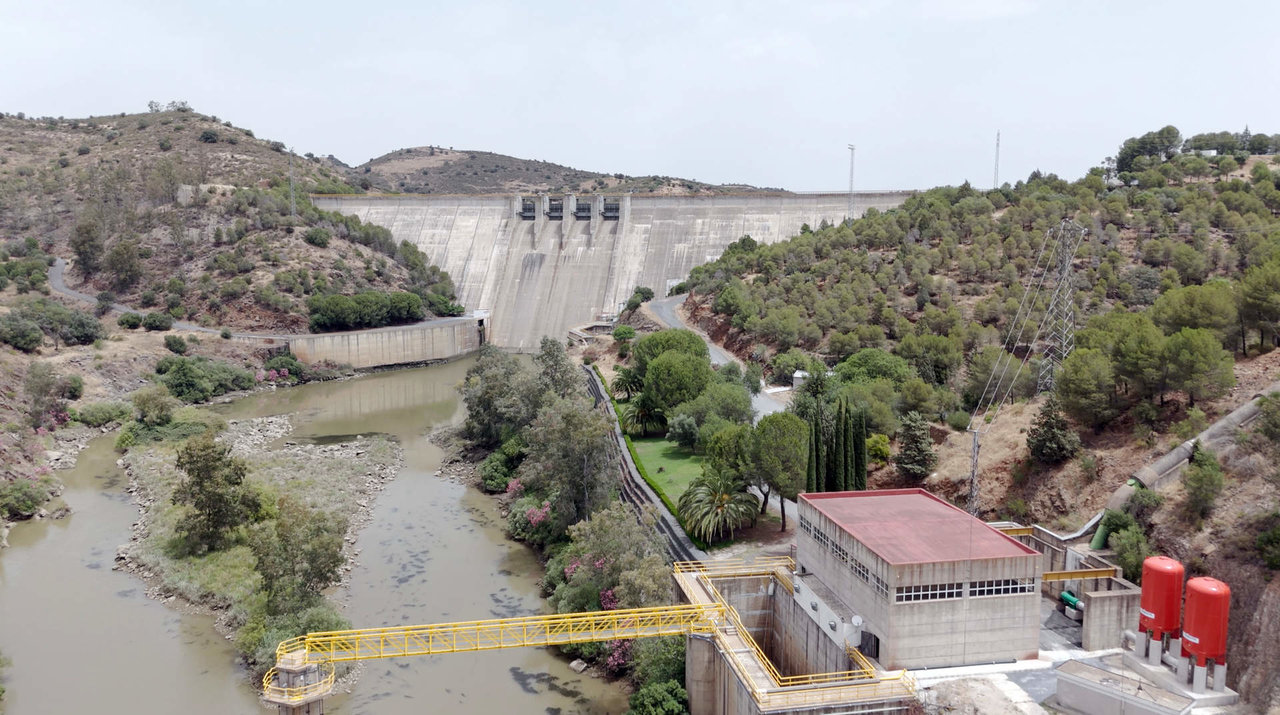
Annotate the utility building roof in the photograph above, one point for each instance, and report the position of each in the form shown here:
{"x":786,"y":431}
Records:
{"x":912,"y":526}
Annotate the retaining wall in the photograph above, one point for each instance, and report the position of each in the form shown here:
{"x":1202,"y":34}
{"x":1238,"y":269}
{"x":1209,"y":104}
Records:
{"x":431,"y":341}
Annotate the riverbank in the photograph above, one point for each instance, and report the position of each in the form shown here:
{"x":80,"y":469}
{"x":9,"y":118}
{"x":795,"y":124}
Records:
{"x":342,"y":479}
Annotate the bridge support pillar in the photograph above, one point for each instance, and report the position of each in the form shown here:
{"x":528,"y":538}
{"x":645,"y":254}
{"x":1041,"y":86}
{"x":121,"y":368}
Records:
{"x":299,"y":687}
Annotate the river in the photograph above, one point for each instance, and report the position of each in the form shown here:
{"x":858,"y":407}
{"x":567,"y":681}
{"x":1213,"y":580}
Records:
{"x":83,"y":637}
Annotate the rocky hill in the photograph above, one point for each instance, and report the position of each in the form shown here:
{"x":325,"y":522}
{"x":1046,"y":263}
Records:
{"x":436,"y":170}
{"x":177,"y":211}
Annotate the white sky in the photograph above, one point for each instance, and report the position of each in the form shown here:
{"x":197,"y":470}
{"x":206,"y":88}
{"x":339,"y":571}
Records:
{"x":762,"y":93}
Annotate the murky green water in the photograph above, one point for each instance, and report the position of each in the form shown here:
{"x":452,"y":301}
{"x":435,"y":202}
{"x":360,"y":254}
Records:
{"x":84,"y":637}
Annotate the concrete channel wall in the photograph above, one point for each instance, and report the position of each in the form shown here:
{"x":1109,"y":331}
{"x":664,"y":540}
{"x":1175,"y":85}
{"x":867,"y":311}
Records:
{"x":430,"y":341}
{"x":541,"y":277}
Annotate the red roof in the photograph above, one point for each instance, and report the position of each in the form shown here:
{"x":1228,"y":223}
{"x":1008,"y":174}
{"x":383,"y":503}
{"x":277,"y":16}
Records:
{"x":911,"y":526}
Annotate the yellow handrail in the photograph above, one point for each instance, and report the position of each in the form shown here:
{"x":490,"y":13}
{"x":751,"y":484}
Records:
{"x":468,"y":636}
{"x":300,"y":693}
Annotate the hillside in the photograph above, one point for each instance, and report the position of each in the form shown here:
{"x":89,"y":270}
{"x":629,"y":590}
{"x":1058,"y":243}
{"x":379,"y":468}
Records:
{"x":1175,"y":299}
{"x":436,"y":170}
{"x":177,"y":211}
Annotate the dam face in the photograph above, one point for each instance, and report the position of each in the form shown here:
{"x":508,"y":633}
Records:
{"x":541,"y":275}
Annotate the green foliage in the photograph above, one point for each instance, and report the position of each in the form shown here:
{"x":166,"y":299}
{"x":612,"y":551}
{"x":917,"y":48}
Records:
{"x":196,"y":379}
{"x":21,"y":498}
{"x":129,"y":321}
{"x":297,"y":554}
{"x":317,"y":237}
{"x":98,"y":414}
{"x":1202,"y":480}
{"x":651,"y":346}
{"x":1269,"y":547}
{"x":1142,"y":505}
{"x":23,"y":335}
{"x":499,"y":467}
{"x":1085,"y":385}
{"x":780,"y":452}
{"x":215,"y":491}
{"x":728,"y":401}
{"x":568,"y":459}
{"x":655,"y":660}
{"x":624,"y":332}
{"x":717,"y":504}
{"x":154,"y":405}
{"x":175,"y":344}
{"x":667,"y":697}
{"x":370,"y":309}
{"x":612,"y":560}
{"x":1198,"y":365}
{"x":675,"y":377}
{"x":501,"y":394}
{"x":878,"y":448}
{"x":958,"y":420}
{"x":209,"y":136}
{"x":157,"y":321}
{"x":225,"y":334}
{"x":683,"y":430}
{"x":627,"y":382}
{"x":1269,"y":416}
{"x":1194,"y":424}
{"x":1131,"y":549}
{"x":43,"y":392}
{"x":1051,"y":440}
{"x":59,"y":323}
{"x":915,"y":458}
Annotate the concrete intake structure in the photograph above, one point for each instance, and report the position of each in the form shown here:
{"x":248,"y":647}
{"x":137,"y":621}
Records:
{"x":544,"y":264}
{"x":428,"y":341}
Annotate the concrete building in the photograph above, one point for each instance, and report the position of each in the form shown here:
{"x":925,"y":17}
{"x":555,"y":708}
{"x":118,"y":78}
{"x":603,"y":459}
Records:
{"x":915,"y":582}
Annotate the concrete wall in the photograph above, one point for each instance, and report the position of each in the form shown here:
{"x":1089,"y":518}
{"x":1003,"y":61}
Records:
{"x":929,"y":633}
{"x":540,"y":277}
{"x":423,"y":342}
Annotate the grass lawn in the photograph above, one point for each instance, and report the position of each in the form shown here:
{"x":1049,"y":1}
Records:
{"x":678,"y":466}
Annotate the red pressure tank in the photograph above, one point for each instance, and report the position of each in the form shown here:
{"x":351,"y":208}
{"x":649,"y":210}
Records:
{"x":1161,"y":596}
{"x":1204,"y":630}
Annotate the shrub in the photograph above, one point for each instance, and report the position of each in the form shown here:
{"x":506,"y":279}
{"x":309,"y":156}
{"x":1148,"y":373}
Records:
{"x":225,"y":334}
{"x":683,"y":430}
{"x":1142,"y":505}
{"x":153,"y":405}
{"x":1051,"y":440}
{"x":1089,"y":466}
{"x":1269,"y":414}
{"x":175,"y":344}
{"x":1131,"y":549}
{"x":98,"y":414}
{"x":21,"y":498}
{"x":157,"y":321}
{"x":317,"y":237}
{"x":878,"y":448}
{"x":165,"y":144}
{"x":958,"y":420}
{"x":71,"y":387}
{"x":1194,"y":424}
{"x":624,"y":332}
{"x":129,"y":321}
{"x":1202,"y":480}
{"x":82,"y":150}
{"x":209,"y":136}
{"x":1269,"y":547}
{"x":22,"y":334}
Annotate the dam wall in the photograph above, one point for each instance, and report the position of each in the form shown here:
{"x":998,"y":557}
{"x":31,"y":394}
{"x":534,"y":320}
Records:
{"x":429,"y":341}
{"x":541,"y":275}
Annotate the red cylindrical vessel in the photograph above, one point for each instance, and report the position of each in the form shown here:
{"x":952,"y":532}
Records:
{"x":1161,"y":596}
{"x":1204,"y":630}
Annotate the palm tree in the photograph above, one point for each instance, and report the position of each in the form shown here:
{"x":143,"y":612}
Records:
{"x":641,"y":416}
{"x":716,"y":504}
{"x":627,"y":382}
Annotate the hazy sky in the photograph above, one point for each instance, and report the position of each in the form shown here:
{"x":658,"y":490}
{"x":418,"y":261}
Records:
{"x":763,"y":93}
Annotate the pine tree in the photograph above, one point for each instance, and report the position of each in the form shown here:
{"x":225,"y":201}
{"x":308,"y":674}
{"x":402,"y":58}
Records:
{"x":858,"y":480}
{"x":915,"y":458}
{"x":1051,"y":440}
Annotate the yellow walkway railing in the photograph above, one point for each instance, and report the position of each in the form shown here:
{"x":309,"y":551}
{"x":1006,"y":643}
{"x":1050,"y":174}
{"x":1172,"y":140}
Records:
{"x":300,"y":693}
{"x":553,"y":629}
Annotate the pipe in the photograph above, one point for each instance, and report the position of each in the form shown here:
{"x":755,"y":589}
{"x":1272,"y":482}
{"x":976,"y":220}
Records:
{"x":1071,"y":600}
{"x":1099,"y":541}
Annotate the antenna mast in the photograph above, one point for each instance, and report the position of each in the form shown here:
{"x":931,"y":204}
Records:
{"x":852,"y":215}
{"x":995,"y":181}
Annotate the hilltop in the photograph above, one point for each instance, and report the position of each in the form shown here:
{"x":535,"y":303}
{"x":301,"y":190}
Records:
{"x":182,"y":212}
{"x":436,"y":170}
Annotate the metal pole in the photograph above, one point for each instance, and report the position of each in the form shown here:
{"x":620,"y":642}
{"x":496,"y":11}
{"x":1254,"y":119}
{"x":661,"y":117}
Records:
{"x":973,"y":475}
{"x":852,"y":150}
{"x":293,"y":207}
{"x":996,"y":181}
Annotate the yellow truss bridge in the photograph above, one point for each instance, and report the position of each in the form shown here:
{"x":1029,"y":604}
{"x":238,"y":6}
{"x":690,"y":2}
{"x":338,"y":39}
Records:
{"x":304,"y":671}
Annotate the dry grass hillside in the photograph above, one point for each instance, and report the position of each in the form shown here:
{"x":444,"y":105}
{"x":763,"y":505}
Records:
{"x":436,"y":170}
{"x":181,"y":212}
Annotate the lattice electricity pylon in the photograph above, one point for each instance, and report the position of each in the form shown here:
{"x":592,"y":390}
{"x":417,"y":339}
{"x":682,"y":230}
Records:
{"x":1059,"y":326}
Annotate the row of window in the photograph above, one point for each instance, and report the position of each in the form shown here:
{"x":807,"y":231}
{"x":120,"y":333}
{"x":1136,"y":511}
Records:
{"x":859,"y":569}
{"x":940,"y":591}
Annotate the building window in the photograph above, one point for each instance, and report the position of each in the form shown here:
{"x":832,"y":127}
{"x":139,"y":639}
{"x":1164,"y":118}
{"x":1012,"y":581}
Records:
{"x":805,"y":526}
{"x":1002,"y":587}
{"x":931,"y":592}
{"x":860,"y":570}
{"x":840,"y":553}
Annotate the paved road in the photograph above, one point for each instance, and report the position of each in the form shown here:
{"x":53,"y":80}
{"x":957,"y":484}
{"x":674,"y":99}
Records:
{"x":58,"y":284}
{"x":664,"y":309}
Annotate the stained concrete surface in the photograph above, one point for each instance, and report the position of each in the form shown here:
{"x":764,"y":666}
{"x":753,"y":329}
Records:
{"x":541,"y":277}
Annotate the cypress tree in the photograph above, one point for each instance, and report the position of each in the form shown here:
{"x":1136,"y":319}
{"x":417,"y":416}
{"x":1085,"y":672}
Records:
{"x":858,"y":480}
{"x":840,"y":454}
{"x":811,"y":474}
{"x":824,"y":452}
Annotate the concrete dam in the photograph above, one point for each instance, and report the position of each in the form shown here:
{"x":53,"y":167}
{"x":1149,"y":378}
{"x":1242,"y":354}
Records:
{"x":543,"y":264}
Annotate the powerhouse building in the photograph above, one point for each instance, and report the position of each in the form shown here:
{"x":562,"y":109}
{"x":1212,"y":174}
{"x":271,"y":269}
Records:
{"x":915,"y":582}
